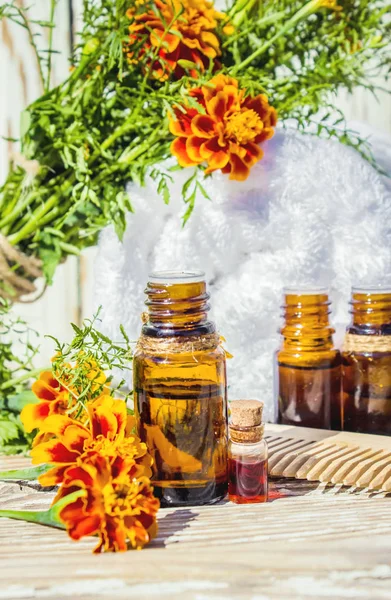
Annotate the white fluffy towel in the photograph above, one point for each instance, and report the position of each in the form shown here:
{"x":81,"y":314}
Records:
{"x":312,"y":212}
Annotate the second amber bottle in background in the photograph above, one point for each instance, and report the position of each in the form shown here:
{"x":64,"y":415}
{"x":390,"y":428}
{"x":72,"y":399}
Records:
{"x":308,"y":366}
{"x":367,"y":363}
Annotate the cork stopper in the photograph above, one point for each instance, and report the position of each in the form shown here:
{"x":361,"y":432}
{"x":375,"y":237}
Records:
{"x":246,"y":421}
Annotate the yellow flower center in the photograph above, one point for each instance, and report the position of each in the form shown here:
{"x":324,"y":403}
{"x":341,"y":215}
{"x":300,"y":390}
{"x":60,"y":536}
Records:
{"x":243,"y":126}
{"x":102,"y":445}
{"x":117,"y":499}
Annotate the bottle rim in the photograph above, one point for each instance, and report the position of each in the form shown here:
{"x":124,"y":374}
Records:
{"x":173,"y":277}
{"x":305,"y":291}
{"x":371,"y":289}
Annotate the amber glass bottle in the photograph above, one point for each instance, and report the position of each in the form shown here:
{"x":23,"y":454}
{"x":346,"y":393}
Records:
{"x":308,"y":367}
{"x":180,"y":391}
{"x":366,"y":363}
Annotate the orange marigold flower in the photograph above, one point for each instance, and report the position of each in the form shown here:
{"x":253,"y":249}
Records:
{"x":108,"y":432}
{"x":117,"y":505}
{"x":54,"y":398}
{"x":175,"y":30}
{"x":59,"y":398}
{"x":227,"y":135}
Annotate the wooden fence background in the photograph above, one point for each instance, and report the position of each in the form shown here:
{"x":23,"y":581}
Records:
{"x":70,"y":297}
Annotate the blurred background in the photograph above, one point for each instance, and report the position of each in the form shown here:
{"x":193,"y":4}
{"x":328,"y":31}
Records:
{"x":70,"y":298}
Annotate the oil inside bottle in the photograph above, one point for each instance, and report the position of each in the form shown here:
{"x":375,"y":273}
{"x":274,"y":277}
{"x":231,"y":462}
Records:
{"x":367,"y":393}
{"x":310,"y":396}
{"x":184,"y":426}
{"x":367,"y":363}
{"x":247,"y":480}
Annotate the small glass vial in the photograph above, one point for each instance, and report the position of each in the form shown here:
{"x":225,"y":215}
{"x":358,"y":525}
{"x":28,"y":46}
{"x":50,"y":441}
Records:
{"x":308,"y":366}
{"x":247,"y":453}
{"x":180,"y":395}
{"x":366,"y":363}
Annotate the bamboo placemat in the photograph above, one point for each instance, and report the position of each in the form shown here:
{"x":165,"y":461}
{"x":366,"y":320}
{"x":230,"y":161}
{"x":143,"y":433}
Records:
{"x":339,"y":457}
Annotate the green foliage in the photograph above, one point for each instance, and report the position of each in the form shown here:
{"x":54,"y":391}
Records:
{"x":322,"y":52}
{"x":15,"y":370}
{"x":86,"y":365}
{"x":106,"y":125}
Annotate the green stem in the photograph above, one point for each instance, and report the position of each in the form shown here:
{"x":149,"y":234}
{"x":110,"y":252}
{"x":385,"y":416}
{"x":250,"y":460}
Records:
{"x":26,"y":25}
{"x":25,"y":377}
{"x":239,"y":11}
{"x":69,"y":248}
{"x":50,"y":517}
{"x":40,"y":213}
{"x":42,"y":517}
{"x":18,"y":209}
{"x":301,"y":14}
{"x":29,"y":474}
{"x":51,"y":20}
{"x":147,"y":75}
{"x":265,"y":21}
{"x":124,"y":128}
{"x":35,"y":217}
{"x":5,"y":210}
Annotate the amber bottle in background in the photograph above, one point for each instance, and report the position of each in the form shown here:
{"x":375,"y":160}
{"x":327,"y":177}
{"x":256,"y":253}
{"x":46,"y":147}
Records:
{"x":366,"y":363}
{"x":308,"y":367}
{"x":180,"y":391}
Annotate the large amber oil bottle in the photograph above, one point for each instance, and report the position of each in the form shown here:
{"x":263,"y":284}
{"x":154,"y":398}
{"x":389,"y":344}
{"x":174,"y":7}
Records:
{"x":180,"y":391}
{"x":308,"y":367}
{"x":366,"y":363}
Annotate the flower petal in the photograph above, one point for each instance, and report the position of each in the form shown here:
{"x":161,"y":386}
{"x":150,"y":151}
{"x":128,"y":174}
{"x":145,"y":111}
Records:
{"x":72,"y":433}
{"x":217,"y":106}
{"x":193,"y":144}
{"x":53,"y":452}
{"x":210,"y":44}
{"x":33,"y":415}
{"x":178,"y":149}
{"x":181,"y":126}
{"x":116,"y":535}
{"x":46,"y":387}
{"x":212,"y":152}
{"x":239,"y":169}
{"x":203,"y":126}
{"x":85,"y":526}
{"x":253,"y":154}
{"x":108,"y":417}
{"x":164,"y":39}
{"x":54,"y":476}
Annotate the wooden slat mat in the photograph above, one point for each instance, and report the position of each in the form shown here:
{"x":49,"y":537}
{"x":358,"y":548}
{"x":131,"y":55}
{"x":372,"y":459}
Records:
{"x":353,"y":459}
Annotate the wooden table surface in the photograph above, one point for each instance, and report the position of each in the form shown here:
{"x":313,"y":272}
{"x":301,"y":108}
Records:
{"x":309,"y":541}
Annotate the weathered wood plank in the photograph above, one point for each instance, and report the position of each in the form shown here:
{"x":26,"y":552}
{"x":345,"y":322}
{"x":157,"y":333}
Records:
{"x":310,"y":541}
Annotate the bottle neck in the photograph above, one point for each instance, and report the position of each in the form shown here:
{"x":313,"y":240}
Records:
{"x":246,"y":435}
{"x":176,"y":309}
{"x":371,"y":312}
{"x":307,"y":325}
